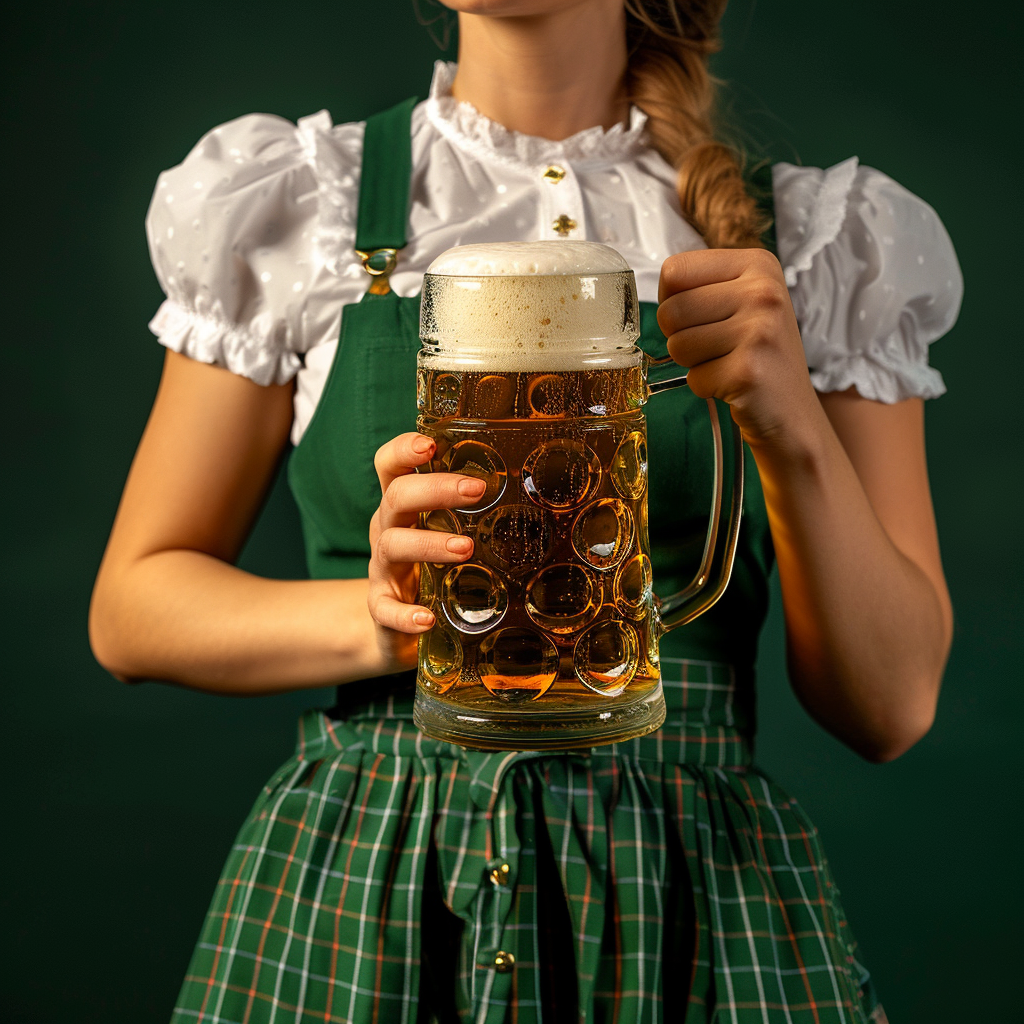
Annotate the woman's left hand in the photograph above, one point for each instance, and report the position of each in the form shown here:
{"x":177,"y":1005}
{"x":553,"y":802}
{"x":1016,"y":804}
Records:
{"x":868,"y":620}
{"x":728,"y":318}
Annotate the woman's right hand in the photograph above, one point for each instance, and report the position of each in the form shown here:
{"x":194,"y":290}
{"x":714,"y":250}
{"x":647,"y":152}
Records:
{"x":397,"y":545}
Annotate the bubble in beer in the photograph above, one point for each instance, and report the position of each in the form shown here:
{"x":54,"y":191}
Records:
{"x":632,"y":587}
{"x":561,"y":474}
{"x":517,"y":664}
{"x":606,"y":656}
{"x":546,"y":396}
{"x":563,"y":598}
{"x":474,"y":598}
{"x":476,"y":459}
{"x":602,"y":533}
{"x":440,"y":658}
{"x":495,"y":397}
{"x":629,"y":466}
{"x":515,"y":536}
{"x":446,"y":390}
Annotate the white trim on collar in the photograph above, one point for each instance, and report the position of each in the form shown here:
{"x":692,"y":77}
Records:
{"x":465,"y":127}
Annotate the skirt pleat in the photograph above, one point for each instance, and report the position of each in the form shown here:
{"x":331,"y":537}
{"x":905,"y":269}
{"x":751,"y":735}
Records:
{"x":612,"y":886}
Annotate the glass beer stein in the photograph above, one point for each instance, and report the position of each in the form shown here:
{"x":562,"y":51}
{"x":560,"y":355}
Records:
{"x":530,"y":379}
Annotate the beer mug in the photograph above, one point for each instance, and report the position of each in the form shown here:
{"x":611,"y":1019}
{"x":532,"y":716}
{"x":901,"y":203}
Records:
{"x":529,"y":378}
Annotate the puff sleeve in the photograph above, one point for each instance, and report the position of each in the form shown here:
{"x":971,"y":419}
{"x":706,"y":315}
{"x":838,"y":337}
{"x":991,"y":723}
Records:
{"x":873,"y":278}
{"x":243,"y":248}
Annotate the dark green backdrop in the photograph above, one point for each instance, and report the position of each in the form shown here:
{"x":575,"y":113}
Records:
{"x":121,"y":803}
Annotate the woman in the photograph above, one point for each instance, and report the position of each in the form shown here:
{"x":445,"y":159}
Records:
{"x":385,"y":877}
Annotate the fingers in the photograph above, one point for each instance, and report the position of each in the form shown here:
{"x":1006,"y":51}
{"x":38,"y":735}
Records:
{"x":402,"y":455}
{"x":399,"y":545}
{"x":392,"y":574}
{"x":391,"y":598}
{"x":707,"y":304}
{"x":696,"y":345}
{"x":409,"y":495}
{"x":687,"y":270}
{"x":391,"y":613}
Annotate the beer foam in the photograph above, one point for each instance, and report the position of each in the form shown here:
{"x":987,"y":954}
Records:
{"x":521,"y":306}
{"x":528,"y":259}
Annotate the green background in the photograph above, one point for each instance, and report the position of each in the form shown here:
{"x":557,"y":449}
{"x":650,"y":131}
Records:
{"x":121,"y":803}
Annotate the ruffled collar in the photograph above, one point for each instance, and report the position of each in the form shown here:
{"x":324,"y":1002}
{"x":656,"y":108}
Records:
{"x":464,"y":126}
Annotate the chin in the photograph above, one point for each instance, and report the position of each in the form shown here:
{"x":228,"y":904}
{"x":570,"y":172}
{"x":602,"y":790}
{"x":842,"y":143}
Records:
{"x":510,"y":8}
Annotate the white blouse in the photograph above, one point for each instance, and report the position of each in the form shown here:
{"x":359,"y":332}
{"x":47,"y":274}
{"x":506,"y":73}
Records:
{"x":252,"y":239}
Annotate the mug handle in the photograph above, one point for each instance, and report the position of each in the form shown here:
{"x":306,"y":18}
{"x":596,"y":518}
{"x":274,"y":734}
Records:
{"x":715,"y":569}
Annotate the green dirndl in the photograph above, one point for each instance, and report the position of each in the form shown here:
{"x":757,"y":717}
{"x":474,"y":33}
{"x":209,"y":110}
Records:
{"x":383,"y":877}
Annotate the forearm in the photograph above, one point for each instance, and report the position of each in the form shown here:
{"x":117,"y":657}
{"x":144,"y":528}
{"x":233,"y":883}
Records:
{"x":185,"y":617}
{"x":866,"y":627}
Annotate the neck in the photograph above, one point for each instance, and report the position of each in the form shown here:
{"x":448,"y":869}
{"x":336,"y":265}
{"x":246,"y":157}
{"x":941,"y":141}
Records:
{"x":549,"y":75}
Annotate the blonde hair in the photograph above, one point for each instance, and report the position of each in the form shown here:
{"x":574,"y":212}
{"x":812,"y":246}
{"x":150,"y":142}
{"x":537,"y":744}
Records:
{"x":667,"y":77}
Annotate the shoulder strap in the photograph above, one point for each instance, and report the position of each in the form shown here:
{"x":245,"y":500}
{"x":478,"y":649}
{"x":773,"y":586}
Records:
{"x":759,"y":184}
{"x":386,"y":174}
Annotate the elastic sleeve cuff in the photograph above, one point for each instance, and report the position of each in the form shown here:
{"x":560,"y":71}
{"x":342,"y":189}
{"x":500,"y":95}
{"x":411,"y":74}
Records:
{"x":880,"y":383}
{"x":205,"y":338}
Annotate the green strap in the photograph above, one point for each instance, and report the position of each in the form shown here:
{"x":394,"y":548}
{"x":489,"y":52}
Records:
{"x":760,"y":184}
{"x":386,"y":174}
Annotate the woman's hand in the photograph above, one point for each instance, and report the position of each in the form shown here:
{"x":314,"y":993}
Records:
{"x":868,"y":620}
{"x":397,"y":546}
{"x":728,"y":317}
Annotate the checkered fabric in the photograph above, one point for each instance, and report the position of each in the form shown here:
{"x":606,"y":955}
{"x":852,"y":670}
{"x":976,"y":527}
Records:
{"x":659,"y":880}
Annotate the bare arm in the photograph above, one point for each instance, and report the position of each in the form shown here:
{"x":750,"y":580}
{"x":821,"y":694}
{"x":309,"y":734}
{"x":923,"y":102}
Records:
{"x":167,"y":602}
{"x":169,"y":605}
{"x":868,"y":617}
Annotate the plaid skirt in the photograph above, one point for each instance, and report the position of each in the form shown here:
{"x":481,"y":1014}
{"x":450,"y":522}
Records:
{"x":385,"y":878}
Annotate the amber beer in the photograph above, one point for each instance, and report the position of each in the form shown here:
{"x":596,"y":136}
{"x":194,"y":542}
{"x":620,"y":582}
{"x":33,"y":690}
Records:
{"x":529,"y":378}
{"x":555,"y":603}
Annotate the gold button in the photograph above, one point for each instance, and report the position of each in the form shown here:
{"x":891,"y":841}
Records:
{"x":554,"y":174}
{"x":563,"y":225}
{"x":503,"y":962}
{"x":499,"y":875}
